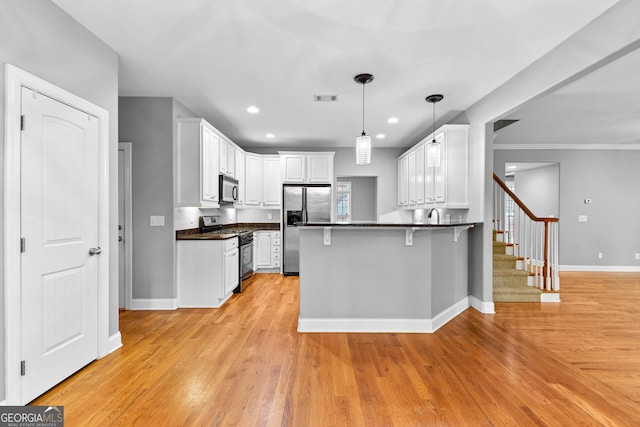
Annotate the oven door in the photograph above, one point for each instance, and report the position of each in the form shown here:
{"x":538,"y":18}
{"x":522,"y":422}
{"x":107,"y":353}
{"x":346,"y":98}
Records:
{"x":246,"y":266}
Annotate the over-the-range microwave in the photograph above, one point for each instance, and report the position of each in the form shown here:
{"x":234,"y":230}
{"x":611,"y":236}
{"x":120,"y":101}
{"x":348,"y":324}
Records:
{"x":228,"y":189}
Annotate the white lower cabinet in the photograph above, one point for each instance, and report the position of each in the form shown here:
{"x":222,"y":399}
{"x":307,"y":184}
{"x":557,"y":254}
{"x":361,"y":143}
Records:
{"x":267,"y":253}
{"x":208,"y":271}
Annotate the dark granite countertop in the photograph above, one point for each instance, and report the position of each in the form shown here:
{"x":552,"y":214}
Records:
{"x":195,"y":234}
{"x":373,"y":224}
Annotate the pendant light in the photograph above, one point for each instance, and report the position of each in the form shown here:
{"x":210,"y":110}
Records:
{"x":363,"y":142}
{"x":433,"y":149}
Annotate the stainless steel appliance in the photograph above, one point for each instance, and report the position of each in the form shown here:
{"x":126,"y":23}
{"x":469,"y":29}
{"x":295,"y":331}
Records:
{"x":301,"y":204}
{"x":228,"y":189}
{"x":211,"y":224}
{"x":246,"y":261}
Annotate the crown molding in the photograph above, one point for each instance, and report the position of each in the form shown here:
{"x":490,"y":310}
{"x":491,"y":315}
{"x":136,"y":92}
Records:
{"x":566,"y":146}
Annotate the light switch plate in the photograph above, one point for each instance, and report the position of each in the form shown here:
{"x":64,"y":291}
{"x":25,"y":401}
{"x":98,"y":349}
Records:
{"x":156,"y":221}
{"x":582,"y":218}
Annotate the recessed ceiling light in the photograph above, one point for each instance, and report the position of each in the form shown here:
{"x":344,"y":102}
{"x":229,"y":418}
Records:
{"x":253,"y":109}
{"x":270,"y":135}
{"x":392,"y":120}
{"x":380,"y":136}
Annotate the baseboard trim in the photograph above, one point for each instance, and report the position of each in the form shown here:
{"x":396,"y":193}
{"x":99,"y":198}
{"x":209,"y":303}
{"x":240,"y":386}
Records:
{"x":443,"y":318}
{"x":114,"y":343}
{"x":343,"y":325}
{"x":154,"y":304}
{"x":603,"y":268}
{"x":550,"y":297}
{"x":3,"y":403}
{"x":484,"y":307}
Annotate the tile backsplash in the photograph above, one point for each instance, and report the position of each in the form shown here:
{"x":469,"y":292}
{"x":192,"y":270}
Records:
{"x":186,"y":218}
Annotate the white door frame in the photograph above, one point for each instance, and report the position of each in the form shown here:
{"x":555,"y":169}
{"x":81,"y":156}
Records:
{"x":128,"y":223}
{"x":15,"y":80}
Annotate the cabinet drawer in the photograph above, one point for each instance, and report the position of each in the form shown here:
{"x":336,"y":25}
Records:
{"x":230,"y":244}
{"x":276,"y":242}
{"x":276,"y":249}
{"x":276,"y":256}
{"x":275,"y":234}
{"x":276,"y":263}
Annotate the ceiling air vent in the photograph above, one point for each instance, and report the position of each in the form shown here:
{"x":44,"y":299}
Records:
{"x":500,"y":124}
{"x":325,"y":98}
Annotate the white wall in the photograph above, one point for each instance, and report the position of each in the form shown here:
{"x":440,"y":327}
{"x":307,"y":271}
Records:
{"x":364,"y":190}
{"x":38,"y":37}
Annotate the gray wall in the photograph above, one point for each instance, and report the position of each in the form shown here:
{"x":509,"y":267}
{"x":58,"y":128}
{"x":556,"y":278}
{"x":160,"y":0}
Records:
{"x":539,"y":189}
{"x":610,"y":178}
{"x":383,"y":165}
{"x":364,"y":190}
{"x":36,"y":36}
{"x":148,"y":123}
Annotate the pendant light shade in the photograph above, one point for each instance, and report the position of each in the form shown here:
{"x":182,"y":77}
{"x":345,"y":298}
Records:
{"x":433,"y":149}
{"x":363,"y":142}
{"x":363,"y":149}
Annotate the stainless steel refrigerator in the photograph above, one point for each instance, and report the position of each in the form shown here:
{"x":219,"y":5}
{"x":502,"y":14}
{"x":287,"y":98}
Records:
{"x":302,"y":204}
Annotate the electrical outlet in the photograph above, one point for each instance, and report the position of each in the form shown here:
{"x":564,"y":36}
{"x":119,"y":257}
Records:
{"x":599,"y":255}
{"x":269,"y":215}
{"x":637,"y":255}
{"x":582,"y":218}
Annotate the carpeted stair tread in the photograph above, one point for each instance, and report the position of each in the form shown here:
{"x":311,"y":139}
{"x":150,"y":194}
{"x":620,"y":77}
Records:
{"x":503,"y":272}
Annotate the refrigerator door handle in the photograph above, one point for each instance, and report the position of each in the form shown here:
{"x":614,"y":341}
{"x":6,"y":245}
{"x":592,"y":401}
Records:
{"x":305,"y":216}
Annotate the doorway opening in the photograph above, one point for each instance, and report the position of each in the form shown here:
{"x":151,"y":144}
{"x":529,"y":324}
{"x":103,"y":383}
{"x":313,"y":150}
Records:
{"x":359,"y":195}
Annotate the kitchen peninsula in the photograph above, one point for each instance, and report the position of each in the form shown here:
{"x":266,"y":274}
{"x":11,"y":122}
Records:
{"x":372,"y":277}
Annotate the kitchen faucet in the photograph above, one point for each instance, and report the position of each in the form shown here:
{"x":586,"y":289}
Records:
{"x":437,"y":215}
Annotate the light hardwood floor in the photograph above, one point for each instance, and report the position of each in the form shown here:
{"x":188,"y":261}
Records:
{"x":573,"y":363}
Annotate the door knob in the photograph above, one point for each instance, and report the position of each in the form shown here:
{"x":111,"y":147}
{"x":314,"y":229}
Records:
{"x":95,"y":251}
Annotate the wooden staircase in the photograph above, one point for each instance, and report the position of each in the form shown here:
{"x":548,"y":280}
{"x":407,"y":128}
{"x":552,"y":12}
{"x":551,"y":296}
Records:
{"x":511,"y":283}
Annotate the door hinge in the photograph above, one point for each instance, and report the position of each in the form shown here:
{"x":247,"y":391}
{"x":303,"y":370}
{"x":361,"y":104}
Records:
{"x":23,"y":368}
{"x":22,"y":121}
{"x":23,"y":245}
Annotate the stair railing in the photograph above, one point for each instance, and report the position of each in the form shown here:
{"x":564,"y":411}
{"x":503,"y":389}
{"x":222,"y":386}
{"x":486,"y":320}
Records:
{"x":534,"y":239}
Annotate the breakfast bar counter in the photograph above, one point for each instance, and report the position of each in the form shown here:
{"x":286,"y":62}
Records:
{"x":372,"y":277}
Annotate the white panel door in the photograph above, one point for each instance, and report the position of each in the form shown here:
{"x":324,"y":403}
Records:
{"x":59,"y":222}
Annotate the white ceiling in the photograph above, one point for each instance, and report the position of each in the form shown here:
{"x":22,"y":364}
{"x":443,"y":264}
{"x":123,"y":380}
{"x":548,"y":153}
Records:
{"x":218,"y":57}
{"x":602,"y":108}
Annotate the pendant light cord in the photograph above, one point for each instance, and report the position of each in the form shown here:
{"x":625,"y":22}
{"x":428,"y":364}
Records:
{"x":363,"y":134}
{"x":434,"y":123}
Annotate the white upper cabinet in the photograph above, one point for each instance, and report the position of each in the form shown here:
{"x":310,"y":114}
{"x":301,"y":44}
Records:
{"x":272,"y":184}
{"x":227,"y":158}
{"x":294,"y":168}
{"x":436,"y":174}
{"x":307,"y":167}
{"x":240,"y":176}
{"x":253,"y":180}
{"x":196,"y":164}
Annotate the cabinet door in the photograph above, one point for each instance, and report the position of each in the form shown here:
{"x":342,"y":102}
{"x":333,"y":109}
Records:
{"x":320,"y":169}
{"x":420,"y":159}
{"x":411,"y":171}
{"x":231,"y":270}
{"x":253,"y":176}
{"x":293,"y":168}
{"x":439,"y":176}
{"x":263,"y":249}
{"x":209,"y":165}
{"x":223,"y":156}
{"x":271,"y":179}
{"x":403,"y":181}
{"x":240,"y":176}
{"x":231,"y":160}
